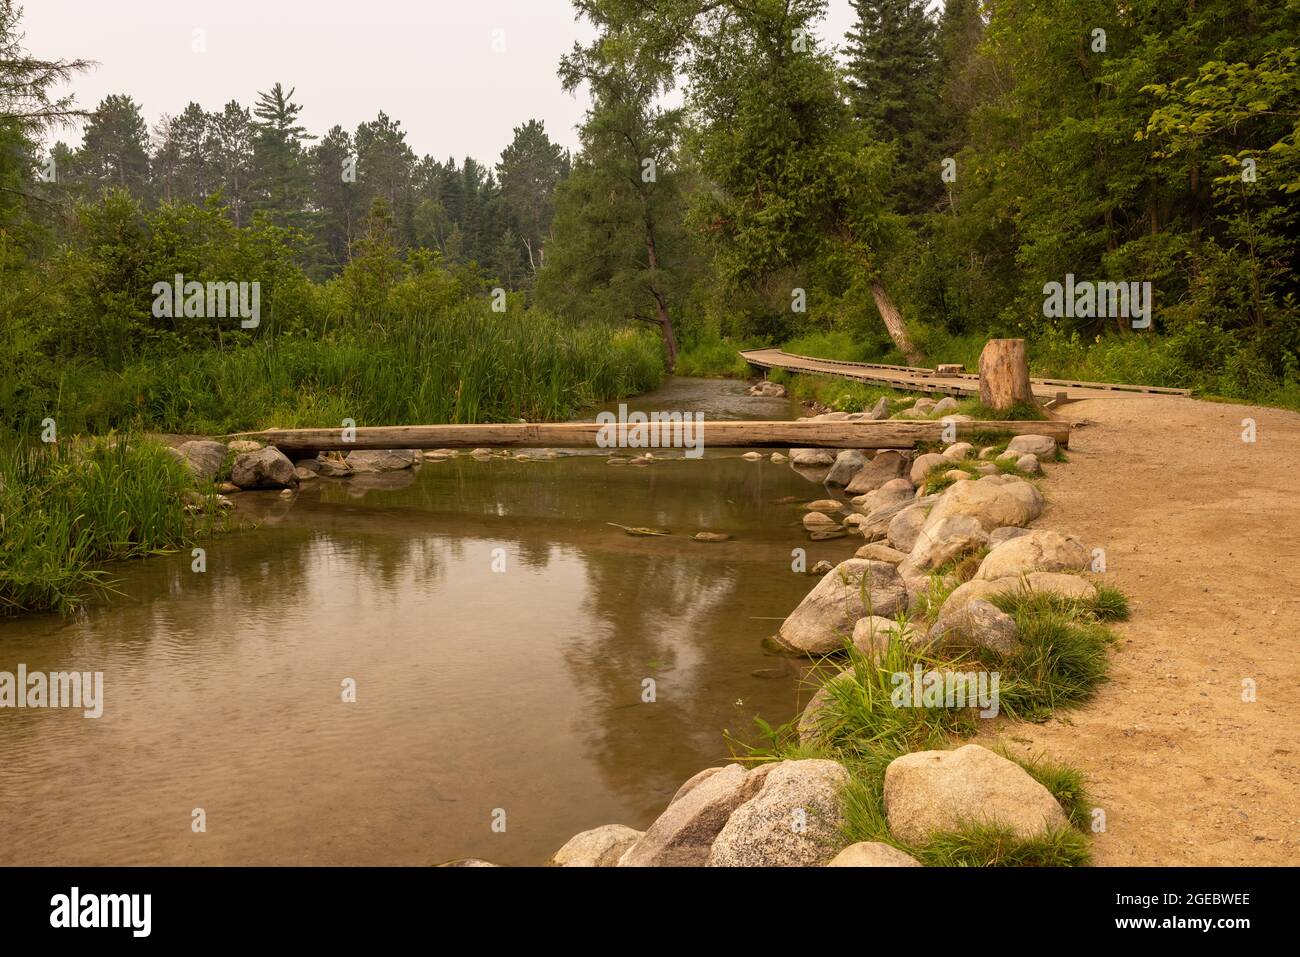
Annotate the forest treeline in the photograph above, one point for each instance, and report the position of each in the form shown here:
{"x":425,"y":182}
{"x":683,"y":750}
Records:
{"x":737,"y":182}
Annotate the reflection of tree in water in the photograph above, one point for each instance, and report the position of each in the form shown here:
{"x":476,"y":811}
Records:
{"x":672,"y":618}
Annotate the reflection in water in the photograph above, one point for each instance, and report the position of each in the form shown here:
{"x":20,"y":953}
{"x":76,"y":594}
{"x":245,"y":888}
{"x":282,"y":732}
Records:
{"x":476,"y":689}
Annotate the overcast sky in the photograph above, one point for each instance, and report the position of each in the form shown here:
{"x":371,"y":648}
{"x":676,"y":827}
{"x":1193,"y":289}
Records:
{"x":428,"y":63}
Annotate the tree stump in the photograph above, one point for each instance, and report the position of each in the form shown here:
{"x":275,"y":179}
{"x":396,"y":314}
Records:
{"x":1004,"y":375}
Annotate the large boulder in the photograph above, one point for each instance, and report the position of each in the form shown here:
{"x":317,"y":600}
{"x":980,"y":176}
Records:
{"x":973,"y":624}
{"x":1067,"y":586}
{"x":204,"y":459}
{"x":905,"y":527}
{"x":872,"y":635}
{"x":925,"y":464}
{"x":682,"y":835}
{"x":993,"y":500}
{"x":382,"y":460}
{"x":873,"y":854}
{"x":932,"y":791}
{"x":265,"y":468}
{"x":847,"y":464}
{"x":1041,"y":550}
{"x":792,"y":820}
{"x":1005,"y":534}
{"x":885,"y":467}
{"x":880,"y":410}
{"x":1040,"y":446}
{"x":599,"y":847}
{"x":895,"y":490}
{"x":958,"y":451}
{"x":942,"y":541}
{"x":882,"y":516}
{"x":854,"y":589}
{"x":811,"y":457}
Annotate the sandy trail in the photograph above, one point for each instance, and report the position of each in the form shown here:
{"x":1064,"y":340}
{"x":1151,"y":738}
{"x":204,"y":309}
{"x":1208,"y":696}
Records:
{"x":1201,"y":531}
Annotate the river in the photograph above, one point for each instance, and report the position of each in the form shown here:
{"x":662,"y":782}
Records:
{"x":499,"y":634}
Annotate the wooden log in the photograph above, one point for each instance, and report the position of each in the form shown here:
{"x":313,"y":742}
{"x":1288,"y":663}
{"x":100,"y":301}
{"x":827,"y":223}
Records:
{"x":886,"y":434}
{"x":1004,"y":375}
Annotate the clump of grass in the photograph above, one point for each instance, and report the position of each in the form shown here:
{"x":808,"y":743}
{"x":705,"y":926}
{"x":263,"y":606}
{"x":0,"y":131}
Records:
{"x":64,"y":511}
{"x":1110,"y":604}
{"x":986,"y":845}
{"x":1062,"y":657}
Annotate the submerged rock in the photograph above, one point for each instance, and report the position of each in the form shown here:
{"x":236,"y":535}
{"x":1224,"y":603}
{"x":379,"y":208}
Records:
{"x":382,"y":460}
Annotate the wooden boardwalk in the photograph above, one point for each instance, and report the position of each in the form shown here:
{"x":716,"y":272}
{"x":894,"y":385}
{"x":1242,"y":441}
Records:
{"x":915,"y":379}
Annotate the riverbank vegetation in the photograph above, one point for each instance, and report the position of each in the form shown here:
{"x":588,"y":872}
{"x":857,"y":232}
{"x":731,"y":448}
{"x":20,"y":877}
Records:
{"x":1060,"y":660}
{"x":66,"y":510}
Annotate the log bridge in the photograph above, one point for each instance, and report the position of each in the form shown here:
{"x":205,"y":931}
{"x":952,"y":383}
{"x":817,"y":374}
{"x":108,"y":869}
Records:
{"x":883,"y":434}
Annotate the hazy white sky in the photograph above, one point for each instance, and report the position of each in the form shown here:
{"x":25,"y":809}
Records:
{"x":429,"y":64}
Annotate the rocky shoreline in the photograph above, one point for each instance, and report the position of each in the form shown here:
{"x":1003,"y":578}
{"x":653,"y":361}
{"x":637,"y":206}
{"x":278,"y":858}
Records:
{"x":946,"y":532}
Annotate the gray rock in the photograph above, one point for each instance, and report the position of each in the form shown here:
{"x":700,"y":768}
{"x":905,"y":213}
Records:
{"x":994,"y":500}
{"x":304,"y":475}
{"x":265,"y":468}
{"x":932,"y":791}
{"x":885,"y":467}
{"x":943,"y":406}
{"x":1005,"y":534}
{"x":382,"y":460}
{"x":778,"y":457}
{"x":880,"y":552}
{"x":923,"y":406}
{"x":682,"y":835}
{"x":881,"y":409}
{"x":814,"y":714}
{"x":905,"y":527}
{"x":855,"y":588}
{"x":793,"y":820}
{"x":817,"y":521}
{"x":239,"y":446}
{"x":1041,"y":550}
{"x":942,"y":541}
{"x":924,"y":465}
{"x":1041,"y":446}
{"x":1029,"y":465}
{"x":811,"y":457}
{"x":204,"y":459}
{"x":872,"y":635}
{"x":873,"y":854}
{"x":973,"y":624}
{"x":599,"y":847}
{"x":958,"y":451}
{"x":847,"y":464}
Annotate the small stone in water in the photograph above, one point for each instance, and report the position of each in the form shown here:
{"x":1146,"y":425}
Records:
{"x":711,"y":536}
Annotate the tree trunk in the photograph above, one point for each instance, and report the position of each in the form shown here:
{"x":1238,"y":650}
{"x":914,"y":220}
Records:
{"x":1004,"y":375}
{"x":661,"y":307}
{"x":894,"y":324}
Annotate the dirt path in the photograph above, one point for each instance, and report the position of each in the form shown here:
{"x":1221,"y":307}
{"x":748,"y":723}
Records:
{"x":1201,"y":530}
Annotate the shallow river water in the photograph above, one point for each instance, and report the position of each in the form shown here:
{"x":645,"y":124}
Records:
{"x":499,"y":634}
